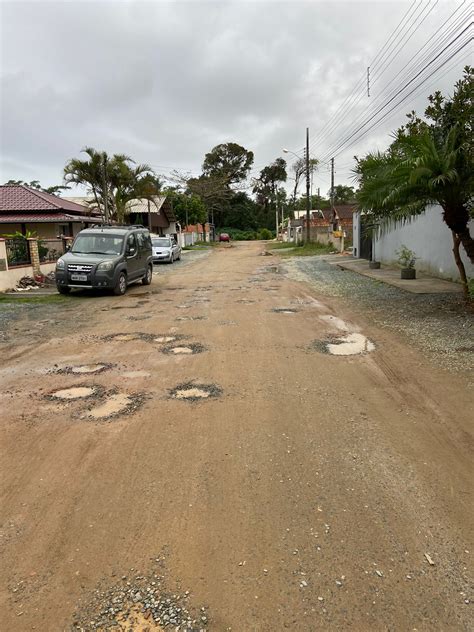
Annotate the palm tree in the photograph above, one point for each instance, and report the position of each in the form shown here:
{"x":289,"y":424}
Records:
{"x":116,"y":180}
{"x":418,"y":170}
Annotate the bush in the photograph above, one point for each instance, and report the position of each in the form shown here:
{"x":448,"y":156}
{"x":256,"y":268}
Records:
{"x":264,"y":233}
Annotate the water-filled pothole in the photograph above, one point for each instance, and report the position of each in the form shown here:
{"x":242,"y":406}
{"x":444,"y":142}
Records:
{"x":187,"y":349}
{"x":115,"y":404}
{"x":75,"y":392}
{"x":139,"y":335}
{"x":194,"y":391}
{"x":351,"y":344}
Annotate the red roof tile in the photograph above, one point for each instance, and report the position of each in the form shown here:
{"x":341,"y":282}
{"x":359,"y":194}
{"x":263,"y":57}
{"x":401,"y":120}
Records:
{"x":18,"y":197}
{"x":19,"y":218}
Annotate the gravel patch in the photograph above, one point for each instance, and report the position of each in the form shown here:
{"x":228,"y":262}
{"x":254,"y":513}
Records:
{"x":138,"y":602}
{"x":188,"y":349}
{"x":195,"y":392}
{"x":439,"y":325}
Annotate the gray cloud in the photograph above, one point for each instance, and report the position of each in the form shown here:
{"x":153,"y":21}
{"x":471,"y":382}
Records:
{"x":165,"y":82}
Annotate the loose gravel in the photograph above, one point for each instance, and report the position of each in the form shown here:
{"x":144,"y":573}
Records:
{"x":138,"y":602}
{"x":440,"y":325}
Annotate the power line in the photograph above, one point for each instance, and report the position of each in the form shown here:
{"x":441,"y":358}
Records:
{"x":414,"y":27}
{"x":416,"y":64}
{"x":361,"y":81}
{"x":335,"y":151}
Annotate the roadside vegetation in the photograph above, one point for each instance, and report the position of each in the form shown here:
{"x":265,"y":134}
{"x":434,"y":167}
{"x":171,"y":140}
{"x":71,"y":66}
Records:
{"x":430,"y":161}
{"x":302,"y":250}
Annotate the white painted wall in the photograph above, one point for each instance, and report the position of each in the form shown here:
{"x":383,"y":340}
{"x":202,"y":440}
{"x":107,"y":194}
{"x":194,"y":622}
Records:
{"x":9,"y":278}
{"x":429,"y":237}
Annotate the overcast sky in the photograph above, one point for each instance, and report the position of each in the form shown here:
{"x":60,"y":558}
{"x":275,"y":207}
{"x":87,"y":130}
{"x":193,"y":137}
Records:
{"x":166,"y":81}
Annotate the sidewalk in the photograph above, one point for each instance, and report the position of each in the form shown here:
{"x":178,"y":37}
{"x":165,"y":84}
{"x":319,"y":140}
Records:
{"x":423,"y":284}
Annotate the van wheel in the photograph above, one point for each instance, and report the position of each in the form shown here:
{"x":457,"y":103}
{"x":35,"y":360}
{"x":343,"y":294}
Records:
{"x":121,"y":285}
{"x":63,"y":289}
{"x":148,"y":276}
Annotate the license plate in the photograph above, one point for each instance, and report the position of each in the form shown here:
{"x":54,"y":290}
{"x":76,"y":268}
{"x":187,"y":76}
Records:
{"x":78,"y":277}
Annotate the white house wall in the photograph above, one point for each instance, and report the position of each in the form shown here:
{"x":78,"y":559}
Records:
{"x":429,"y":237}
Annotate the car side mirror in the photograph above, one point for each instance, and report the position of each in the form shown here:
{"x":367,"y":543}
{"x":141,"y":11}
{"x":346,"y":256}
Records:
{"x":130,"y":251}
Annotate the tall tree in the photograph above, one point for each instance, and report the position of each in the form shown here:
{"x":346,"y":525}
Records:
{"x":229,"y":161}
{"x":299,"y":171}
{"x":343,"y":194}
{"x":115,"y":180}
{"x":429,"y":162}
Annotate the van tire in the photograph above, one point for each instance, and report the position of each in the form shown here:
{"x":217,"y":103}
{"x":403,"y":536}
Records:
{"x":121,"y":285}
{"x":148,"y":276}
{"x":63,"y":289}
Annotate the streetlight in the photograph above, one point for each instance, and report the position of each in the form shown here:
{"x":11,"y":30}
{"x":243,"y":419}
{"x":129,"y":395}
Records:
{"x":308,"y":202}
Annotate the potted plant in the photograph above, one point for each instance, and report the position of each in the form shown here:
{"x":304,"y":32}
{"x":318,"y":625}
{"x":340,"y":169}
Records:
{"x":406,"y":260}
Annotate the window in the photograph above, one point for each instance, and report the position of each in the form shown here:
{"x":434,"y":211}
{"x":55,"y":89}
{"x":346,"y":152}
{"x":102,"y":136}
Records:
{"x":141,"y":240}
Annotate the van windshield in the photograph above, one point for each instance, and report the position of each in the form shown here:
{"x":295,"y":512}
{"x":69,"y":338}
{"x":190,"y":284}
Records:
{"x":98,"y":244}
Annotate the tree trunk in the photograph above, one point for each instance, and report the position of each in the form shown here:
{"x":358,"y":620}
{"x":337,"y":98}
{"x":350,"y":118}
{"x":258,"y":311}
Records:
{"x":457,"y":218}
{"x":460,"y":264}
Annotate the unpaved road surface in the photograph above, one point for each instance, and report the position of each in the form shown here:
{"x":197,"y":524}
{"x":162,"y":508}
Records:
{"x":299,"y":489}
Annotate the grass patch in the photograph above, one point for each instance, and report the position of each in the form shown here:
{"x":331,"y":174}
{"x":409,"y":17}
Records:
{"x":281,"y":245}
{"x":308,"y":250}
{"x":36,"y":300}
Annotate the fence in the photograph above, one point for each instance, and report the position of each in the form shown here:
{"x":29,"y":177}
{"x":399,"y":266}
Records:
{"x":18,"y":252}
{"x":50,"y":249}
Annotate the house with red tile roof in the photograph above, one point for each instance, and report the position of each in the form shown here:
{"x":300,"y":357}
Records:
{"x":25,"y":210}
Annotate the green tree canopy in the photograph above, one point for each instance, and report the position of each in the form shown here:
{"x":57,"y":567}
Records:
{"x":116,"y":179}
{"x":429,"y":162}
{"x":229,"y":162}
{"x":343,"y":194}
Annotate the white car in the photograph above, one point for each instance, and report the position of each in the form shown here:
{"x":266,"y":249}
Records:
{"x":165,"y":249}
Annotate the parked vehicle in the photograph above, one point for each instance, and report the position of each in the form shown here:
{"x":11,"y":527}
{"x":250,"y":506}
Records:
{"x":165,"y":249}
{"x":106,"y":257}
{"x":224,"y":237}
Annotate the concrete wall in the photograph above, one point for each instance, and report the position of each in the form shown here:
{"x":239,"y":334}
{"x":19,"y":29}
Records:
{"x":9,"y":278}
{"x":429,"y":237}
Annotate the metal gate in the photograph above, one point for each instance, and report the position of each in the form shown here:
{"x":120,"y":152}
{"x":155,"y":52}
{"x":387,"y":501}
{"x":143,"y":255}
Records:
{"x":365,"y":239}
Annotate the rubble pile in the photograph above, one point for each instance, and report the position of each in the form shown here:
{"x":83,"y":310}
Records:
{"x":28,"y":283}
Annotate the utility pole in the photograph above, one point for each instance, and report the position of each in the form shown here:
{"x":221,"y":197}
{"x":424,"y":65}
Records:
{"x":332,"y":183}
{"x":308,"y":203}
{"x":104,"y":185}
{"x":149,"y":216}
{"x":276,"y":221}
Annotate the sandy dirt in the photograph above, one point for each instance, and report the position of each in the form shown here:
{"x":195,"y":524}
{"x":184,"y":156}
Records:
{"x":310,"y":493}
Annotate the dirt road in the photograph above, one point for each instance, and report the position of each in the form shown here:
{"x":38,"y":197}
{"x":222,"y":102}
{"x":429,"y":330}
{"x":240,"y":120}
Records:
{"x":306,"y":490}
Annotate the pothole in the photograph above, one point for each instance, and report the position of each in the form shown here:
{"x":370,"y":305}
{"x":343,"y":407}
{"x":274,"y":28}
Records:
{"x":188,"y":349}
{"x":139,"y":335}
{"x":351,"y":344}
{"x":86,"y":369}
{"x":194,"y":392}
{"x":142,"y":603}
{"x":115,"y":404}
{"x":181,"y":318}
{"x":165,"y":339}
{"x":138,"y":317}
{"x":74,"y":392}
{"x":284,"y":310}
